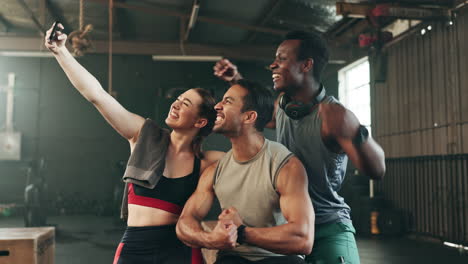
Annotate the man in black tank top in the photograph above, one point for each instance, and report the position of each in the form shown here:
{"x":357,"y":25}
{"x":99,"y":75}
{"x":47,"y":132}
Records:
{"x":323,"y":134}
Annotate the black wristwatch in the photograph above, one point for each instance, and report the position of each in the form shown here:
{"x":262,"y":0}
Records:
{"x":241,"y":234}
{"x":361,"y":136}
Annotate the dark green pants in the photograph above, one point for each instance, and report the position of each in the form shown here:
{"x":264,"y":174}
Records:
{"x":334,"y":243}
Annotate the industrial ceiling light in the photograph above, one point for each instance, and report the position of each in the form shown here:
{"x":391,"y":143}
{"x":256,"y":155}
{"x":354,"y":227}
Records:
{"x":459,"y":246}
{"x":30,"y":54}
{"x":185,"y":58}
{"x":336,"y":62}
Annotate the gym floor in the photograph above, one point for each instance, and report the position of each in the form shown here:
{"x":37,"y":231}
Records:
{"x":87,"y":239}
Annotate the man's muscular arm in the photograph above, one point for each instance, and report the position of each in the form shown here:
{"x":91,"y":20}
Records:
{"x":189,"y":229}
{"x":297,"y":235}
{"x":341,"y":126}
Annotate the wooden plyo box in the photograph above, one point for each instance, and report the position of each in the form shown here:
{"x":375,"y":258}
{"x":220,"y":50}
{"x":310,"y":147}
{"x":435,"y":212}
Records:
{"x":27,"y":245}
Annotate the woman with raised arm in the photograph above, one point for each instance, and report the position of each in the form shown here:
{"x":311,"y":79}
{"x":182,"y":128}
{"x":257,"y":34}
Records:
{"x":163,"y":168}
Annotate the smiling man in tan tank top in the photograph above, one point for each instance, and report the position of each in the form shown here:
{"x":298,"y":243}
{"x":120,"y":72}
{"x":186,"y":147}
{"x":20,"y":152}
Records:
{"x":261,"y":185}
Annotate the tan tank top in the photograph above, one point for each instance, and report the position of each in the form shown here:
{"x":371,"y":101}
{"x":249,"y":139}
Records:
{"x":251,"y":188}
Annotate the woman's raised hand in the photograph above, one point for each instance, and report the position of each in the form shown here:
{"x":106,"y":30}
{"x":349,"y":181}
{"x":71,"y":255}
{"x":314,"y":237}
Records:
{"x":58,"y":42}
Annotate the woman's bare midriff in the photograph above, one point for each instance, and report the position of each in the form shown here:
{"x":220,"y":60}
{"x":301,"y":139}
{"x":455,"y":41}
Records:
{"x":146,"y":216}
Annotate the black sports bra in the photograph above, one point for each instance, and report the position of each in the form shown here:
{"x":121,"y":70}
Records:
{"x":170,"y":194}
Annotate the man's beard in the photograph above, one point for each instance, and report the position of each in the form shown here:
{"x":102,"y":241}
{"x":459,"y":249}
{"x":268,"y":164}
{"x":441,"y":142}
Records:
{"x":225,"y":131}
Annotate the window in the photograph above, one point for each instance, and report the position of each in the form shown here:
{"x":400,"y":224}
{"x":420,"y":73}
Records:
{"x":354,"y":90}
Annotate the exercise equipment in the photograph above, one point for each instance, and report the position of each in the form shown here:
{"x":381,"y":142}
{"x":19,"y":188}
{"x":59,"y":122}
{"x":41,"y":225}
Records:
{"x":35,"y":200}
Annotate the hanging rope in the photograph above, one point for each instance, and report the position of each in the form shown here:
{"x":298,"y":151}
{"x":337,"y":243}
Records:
{"x":81,"y":15}
{"x":79,"y":39}
{"x":111,"y":22}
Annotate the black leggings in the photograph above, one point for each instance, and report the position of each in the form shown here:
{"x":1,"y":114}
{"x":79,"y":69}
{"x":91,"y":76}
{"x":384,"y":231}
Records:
{"x":270,"y":260}
{"x":154,"y":245}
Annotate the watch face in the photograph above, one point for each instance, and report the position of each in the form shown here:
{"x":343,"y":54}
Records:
{"x":364,"y":132}
{"x":362,"y":135}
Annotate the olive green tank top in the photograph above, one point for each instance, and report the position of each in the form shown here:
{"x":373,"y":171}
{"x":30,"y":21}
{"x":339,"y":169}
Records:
{"x":250,"y":187}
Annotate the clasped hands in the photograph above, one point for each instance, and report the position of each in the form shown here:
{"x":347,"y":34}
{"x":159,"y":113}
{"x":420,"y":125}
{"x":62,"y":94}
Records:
{"x":224,"y":234}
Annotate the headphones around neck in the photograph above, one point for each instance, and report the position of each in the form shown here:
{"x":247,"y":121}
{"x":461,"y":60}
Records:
{"x":297,"y":110}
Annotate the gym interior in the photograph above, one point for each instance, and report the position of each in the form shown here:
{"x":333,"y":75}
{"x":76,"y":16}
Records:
{"x":400,"y":66}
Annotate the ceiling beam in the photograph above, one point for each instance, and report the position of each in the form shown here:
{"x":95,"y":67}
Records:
{"x":167,"y":12}
{"x":7,"y":25}
{"x":362,"y":10}
{"x":57,"y":15}
{"x":271,"y":9}
{"x":352,"y":33}
{"x":428,"y":3}
{"x":239,"y":52}
{"x":33,"y":17}
{"x":151,"y":48}
{"x":340,"y":27}
{"x":460,"y":4}
{"x":242,"y":26}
